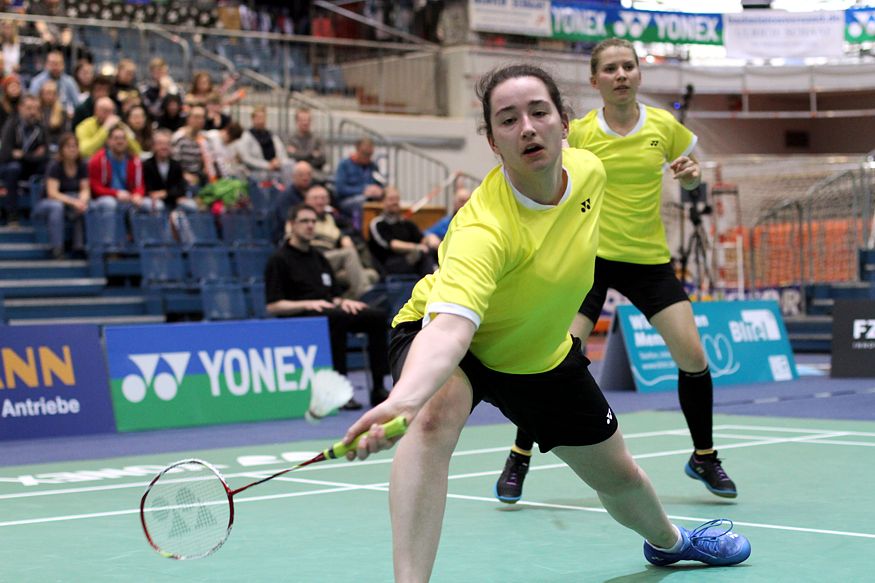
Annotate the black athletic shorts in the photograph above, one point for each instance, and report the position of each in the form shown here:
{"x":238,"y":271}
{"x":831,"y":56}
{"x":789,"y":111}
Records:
{"x":650,"y":288}
{"x":562,"y":406}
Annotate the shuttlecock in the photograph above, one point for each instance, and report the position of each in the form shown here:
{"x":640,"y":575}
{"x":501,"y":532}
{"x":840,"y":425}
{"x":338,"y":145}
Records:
{"x":328,"y":391}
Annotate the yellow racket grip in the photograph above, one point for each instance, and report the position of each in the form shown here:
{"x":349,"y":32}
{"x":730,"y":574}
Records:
{"x":394,"y":428}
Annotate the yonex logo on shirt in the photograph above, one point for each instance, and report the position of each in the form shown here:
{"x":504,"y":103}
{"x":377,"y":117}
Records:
{"x":654,"y":143}
{"x":585,"y":206}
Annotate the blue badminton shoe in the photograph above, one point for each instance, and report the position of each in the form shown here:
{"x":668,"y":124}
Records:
{"x":712,"y":543}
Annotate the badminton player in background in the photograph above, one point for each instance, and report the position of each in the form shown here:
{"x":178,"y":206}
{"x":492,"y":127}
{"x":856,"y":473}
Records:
{"x":635,"y":142}
{"x":492,"y":324}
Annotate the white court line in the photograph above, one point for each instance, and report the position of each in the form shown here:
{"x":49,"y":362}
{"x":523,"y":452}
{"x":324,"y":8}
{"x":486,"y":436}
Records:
{"x":267,"y":471}
{"x":792,"y":429}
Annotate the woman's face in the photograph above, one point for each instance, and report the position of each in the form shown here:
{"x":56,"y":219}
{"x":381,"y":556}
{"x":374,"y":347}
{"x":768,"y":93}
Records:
{"x":617,"y":77}
{"x":171,"y":108}
{"x":85,"y":75}
{"x":137,"y":119}
{"x":7,"y":30}
{"x":70,"y":150}
{"x":13,"y":90}
{"x":203,"y":84}
{"x":527,"y":129}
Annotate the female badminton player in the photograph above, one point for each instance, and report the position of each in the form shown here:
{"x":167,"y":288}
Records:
{"x":635,"y":142}
{"x":492,"y":324}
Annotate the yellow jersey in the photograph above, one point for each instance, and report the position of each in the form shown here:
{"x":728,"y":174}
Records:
{"x":631,"y":227}
{"x":516,"y":268}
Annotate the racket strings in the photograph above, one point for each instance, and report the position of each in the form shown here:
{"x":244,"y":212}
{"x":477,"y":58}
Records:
{"x":187,"y":518}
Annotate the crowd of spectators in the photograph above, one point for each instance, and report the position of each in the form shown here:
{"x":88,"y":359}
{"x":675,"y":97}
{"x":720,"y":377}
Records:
{"x":123,"y":142}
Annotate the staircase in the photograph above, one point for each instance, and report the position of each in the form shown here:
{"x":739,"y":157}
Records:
{"x":39,"y":290}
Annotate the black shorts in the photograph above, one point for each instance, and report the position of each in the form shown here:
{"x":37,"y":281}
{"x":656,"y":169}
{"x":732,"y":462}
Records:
{"x":650,"y":288}
{"x":562,"y":406}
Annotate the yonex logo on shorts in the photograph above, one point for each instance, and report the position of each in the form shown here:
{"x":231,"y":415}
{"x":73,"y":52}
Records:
{"x":610,"y":417}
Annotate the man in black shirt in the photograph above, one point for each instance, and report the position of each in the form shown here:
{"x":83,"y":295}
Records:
{"x":396,"y":243}
{"x":24,"y":151}
{"x":299,"y":282}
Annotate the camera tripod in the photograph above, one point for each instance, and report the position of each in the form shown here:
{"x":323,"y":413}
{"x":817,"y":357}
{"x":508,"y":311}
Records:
{"x":695,"y":249}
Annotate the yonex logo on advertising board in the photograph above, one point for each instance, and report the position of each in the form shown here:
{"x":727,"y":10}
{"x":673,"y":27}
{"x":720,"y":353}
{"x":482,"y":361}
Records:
{"x":632,"y":24}
{"x":235,"y":371}
{"x":863,"y":25}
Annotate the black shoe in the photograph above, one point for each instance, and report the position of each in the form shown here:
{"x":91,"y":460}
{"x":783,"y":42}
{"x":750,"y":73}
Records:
{"x":378,"y":396}
{"x":351,"y":405}
{"x":708,"y":469}
{"x":509,"y":487}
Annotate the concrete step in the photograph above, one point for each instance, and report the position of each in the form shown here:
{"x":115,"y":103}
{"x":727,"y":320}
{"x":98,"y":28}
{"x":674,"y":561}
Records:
{"x":43,"y":269}
{"x":75,"y":307}
{"x":98,"y":320}
{"x":17,"y":235}
{"x":52,"y":287}
{"x":23,"y":251}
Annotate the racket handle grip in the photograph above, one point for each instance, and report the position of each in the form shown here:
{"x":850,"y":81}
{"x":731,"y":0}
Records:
{"x":394,"y":428}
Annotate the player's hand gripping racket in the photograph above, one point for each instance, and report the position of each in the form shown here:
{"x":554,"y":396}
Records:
{"x":190,"y":518}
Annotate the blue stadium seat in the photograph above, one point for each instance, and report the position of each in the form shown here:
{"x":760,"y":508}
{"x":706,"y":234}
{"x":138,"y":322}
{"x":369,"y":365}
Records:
{"x":151,"y":229}
{"x":239,"y":229}
{"x":249,"y":262}
{"x":256,"y":300}
{"x":223,"y":301}
{"x":105,"y":231}
{"x":197,"y":229}
{"x":162,"y":267}
{"x":209,"y":264}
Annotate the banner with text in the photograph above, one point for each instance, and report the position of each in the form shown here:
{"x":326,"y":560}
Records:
{"x":523,"y":17}
{"x":197,"y":374}
{"x":853,"y":338}
{"x":745,"y":342}
{"x":767,"y":34}
{"x":52,"y":382}
{"x":582,"y":21}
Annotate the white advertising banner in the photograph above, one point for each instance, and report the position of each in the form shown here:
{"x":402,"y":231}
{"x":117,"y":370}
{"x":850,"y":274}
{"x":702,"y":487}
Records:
{"x":524,"y":17}
{"x":767,"y":34}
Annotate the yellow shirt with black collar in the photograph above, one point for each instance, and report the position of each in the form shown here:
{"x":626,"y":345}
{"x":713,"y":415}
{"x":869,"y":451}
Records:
{"x":632,"y":229}
{"x":517,"y":269}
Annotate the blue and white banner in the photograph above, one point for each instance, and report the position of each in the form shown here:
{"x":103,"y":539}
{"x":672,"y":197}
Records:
{"x":860,"y":25}
{"x":745,"y":342}
{"x":53,"y":382}
{"x":214,"y":372}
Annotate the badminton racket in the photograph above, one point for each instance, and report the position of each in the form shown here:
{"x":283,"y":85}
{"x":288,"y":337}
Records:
{"x":187,"y":517}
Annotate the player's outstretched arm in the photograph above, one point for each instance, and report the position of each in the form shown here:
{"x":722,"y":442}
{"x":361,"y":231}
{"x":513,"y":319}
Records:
{"x":434,"y":355}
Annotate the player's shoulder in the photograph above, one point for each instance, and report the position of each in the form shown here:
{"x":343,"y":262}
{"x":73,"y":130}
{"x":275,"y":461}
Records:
{"x":579,"y":159}
{"x":585,"y":122}
{"x":660,"y":116}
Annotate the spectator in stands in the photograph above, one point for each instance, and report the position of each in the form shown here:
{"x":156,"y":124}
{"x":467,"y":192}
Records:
{"x":67,"y":195}
{"x":159,"y":86}
{"x":68,"y":91}
{"x":55,"y":36}
{"x":302,"y":180}
{"x":216,"y":118}
{"x":137,"y":120}
{"x":221,"y":143}
{"x":190,"y":148}
{"x":396,"y":243}
{"x":100,"y":87}
{"x":332,"y":238}
{"x":299,"y":282}
{"x":304,"y":144}
{"x":54,"y":119}
{"x":93,"y":132}
{"x":261,"y":151}
{"x":115,"y":175}
{"x":357,"y":180}
{"x":23,"y":151}
{"x":11,"y":47}
{"x":201,"y":87}
{"x":125,"y":81}
{"x":83,"y":74}
{"x":171,"y":116}
{"x":11,"y":90}
{"x":436,"y":233}
{"x":164,"y":176}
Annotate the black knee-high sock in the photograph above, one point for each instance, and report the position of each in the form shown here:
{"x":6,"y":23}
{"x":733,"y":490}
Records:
{"x":523,"y":440}
{"x":696,"y":395}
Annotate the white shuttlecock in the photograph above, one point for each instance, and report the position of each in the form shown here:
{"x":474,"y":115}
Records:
{"x":328,"y":391}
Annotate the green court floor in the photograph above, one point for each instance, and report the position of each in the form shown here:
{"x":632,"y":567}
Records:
{"x":806,"y":502}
